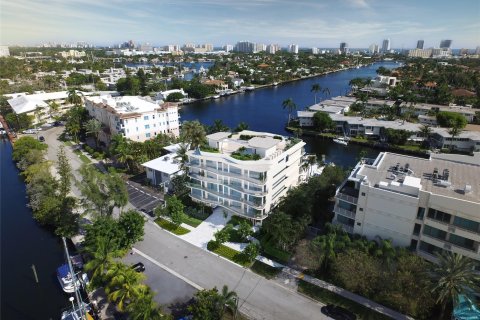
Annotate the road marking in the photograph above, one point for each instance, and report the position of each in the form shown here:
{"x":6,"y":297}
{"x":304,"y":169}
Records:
{"x":164,"y":267}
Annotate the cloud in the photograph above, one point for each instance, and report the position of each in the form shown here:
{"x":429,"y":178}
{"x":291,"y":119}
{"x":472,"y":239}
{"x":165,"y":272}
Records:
{"x":358,"y":3}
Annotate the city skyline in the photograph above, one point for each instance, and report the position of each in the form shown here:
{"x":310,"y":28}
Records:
{"x":306,"y":22}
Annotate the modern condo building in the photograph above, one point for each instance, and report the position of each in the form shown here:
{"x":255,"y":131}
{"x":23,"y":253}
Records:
{"x":429,"y":205}
{"x":246,"y":173}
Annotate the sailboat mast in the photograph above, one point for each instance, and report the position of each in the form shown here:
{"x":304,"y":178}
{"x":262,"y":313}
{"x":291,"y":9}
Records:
{"x":74,"y":279}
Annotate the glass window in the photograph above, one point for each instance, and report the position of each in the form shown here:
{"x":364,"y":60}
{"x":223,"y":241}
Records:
{"x":347,"y":206}
{"x":416,"y":229}
{"x":439,"y":215}
{"x":434,"y":232}
{"x":147,"y":135}
{"x":466,"y":224}
{"x":345,"y":220}
{"x":429,"y":248}
{"x":147,"y":126}
{"x":420,"y":213}
{"x":235,"y":170}
{"x":413,"y":244}
{"x":145,"y":118}
{"x":462,"y":242}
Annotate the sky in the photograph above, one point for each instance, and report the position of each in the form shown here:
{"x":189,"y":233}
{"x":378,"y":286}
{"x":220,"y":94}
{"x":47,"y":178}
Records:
{"x":309,"y":23}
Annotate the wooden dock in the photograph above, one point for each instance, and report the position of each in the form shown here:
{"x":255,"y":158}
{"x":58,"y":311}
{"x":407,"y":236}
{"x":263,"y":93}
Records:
{"x":11,"y":136}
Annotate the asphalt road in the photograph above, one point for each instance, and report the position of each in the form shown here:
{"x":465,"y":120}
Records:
{"x":259,"y":298}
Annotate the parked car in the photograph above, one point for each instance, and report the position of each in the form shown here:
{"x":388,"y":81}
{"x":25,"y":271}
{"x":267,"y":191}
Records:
{"x":30,"y":131}
{"x":139,"y":267}
{"x":41,"y":139}
{"x":338,"y":313}
{"x":149,"y":212}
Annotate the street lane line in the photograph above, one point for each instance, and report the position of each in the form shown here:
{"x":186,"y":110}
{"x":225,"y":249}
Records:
{"x":164,"y":267}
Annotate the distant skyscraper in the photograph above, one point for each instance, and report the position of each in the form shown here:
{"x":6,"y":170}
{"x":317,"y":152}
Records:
{"x":445,"y":44}
{"x":343,"y":47}
{"x":228,"y":47}
{"x":373,"y":48}
{"x":315,"y":50}
{"x":293,"y":48}
{"x":273,"y":48}
{"x":245,"y":46}
{"x":386,"y":45}
{"x":260,"y":47}
{"x":420,"y":44}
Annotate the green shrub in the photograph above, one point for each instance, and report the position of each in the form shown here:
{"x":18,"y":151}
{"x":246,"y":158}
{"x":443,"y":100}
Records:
{"x":265,"y":270}
{"x":229,"y":253}
{"x":167,"y":225}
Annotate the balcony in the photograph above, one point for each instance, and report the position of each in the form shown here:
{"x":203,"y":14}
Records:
{"x":347,"y":198}
{"x":348,"y":229}
{"x":230,"y":208}
{"x":348,"y":194}
{"x":227,"y":174}
{"x":236,"y":187}
{"x":227,"y":196}
{"x":344,"y":212}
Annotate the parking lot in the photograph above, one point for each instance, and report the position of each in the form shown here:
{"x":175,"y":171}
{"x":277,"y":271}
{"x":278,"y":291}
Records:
{"x":141,"y":199}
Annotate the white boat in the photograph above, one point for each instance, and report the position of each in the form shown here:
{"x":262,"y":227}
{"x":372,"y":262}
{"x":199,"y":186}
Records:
{"x":275,"y":83}
{"x":341,"y":140}
{"x":65,"y":279}
{"x":216,"y":96}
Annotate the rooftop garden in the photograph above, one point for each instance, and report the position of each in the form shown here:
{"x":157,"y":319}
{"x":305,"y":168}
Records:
{"x":241,"y":154}
{"x":207,"y":148}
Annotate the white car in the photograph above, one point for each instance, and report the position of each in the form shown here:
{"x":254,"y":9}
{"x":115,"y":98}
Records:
{"x":30,"y":131}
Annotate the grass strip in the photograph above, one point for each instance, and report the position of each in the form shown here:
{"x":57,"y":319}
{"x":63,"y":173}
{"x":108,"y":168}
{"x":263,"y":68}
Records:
{"x":191,"y":221}
{"x":229,"y":253}
{"x":264,"y":270}
{"x":82,"y":157}
{"x":167,"y":225}
{"x":329,"y":297}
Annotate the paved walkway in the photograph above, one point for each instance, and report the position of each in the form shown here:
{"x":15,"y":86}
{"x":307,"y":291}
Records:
{"x":201,"y":235}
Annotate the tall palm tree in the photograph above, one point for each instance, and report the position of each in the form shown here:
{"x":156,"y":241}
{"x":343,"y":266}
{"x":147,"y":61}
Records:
{"x":193,"y":132}
{"x":218,"y":126}
{"x":290,"y":106}
{"x":316,"y":88}
{"x":326,"y":92}
{"x":123,"y":285}
{"x":53,"y":108}
{"x":93,"y":127}
{"x":228,"y":300}
{"x":182,"y":156}
{"x":73,"y":97}
{"x":125,"y":155}
{"x":385,"y":250}
{"x":453,"y":275}
{"x":454,"y":131}
{"x":241,"y":126}
{"x":425,"y":131}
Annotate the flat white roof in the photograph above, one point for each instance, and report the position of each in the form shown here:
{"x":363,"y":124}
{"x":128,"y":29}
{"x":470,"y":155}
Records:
{"x":126,"y":104}
{"x":25,"y":104}
{"x":167,"y":164}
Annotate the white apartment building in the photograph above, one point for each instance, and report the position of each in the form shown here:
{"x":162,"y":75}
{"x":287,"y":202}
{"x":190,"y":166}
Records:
{"x":429,"y":205}
{"x":72,"y":54}
{"x":4,"y":51}
{"x":246,"y":187}
{"x":293,"y":48}
{"x":136,"y":118}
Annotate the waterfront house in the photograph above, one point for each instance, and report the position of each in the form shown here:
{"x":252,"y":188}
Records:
{"x":160,"y":171}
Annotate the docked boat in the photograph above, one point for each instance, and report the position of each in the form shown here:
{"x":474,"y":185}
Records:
{"x":65,"y":279}
{"x":341,"y":140}
{"x":78,"y":313}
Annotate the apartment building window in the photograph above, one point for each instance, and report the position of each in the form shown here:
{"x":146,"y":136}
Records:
{"x":147,"y":126}
{"x":363,"y":194}
{"x":235,"y":170}
{"x":420,"y":213}
{"x":147,"y":135}
{"x":466,"y":224}
{"x":346,"y":221}
{"x":145,"y":117}
{"x":194,"y":161}
{"x":416,"y":229}
{"x":462,"y":242}
{"x":211,"y":164}
{"x":137,"y":129}
{"x":434,"y":232}
{"x":439,"y":215}
{"x":347,"y":206}
{"x":430,"y":248}
{"x":413,"y":245}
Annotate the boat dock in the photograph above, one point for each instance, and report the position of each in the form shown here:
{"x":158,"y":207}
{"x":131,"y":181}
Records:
{"x":4,"y":126}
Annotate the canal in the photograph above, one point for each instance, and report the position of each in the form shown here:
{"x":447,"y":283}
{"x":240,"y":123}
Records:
{"x":262,"y":109}
{"x":23,"y":243}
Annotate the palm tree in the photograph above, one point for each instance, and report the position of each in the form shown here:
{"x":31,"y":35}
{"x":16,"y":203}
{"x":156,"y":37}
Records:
{"x":316,"y":88}
{"x":193,"y":133}
{"x":102,"y":256}
{"x":144,"y":307}
{"x":73,"y":97}
{"x":123,"y":285}
{"x":93,"y":127}
{"x":326,"y":92}
{"x":125,"y":154}
{"x":218,"y":126}
{"x":454,"y":275}
{"x":425,"y":131}
{"x":454,"y":131}
{"x":326,"y":245}
{"x":228,"y":299}
{"x":182,"y":156}
{"x":241,"y":126}
{"x":290,"y":106}
{"x":53,"y":108}
{"x":385,"y":250}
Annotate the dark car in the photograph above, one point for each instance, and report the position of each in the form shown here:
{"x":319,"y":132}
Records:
{"x":41,"y":139}
{"x":149,"y":212}
{"x":139,"y":267}
{"x":338,"y":313}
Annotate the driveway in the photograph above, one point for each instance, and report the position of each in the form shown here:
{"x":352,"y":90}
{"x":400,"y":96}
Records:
{"x":201,"y":235}
{"x":142,"y":199}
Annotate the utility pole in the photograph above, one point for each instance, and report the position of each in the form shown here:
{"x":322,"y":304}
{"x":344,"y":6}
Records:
{"x":74,"y":279}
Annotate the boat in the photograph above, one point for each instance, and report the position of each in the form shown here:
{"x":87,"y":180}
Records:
{"x":275,"y":83}
{"x":78,"y":313}
{"x":250,"y":88}
{"x":341,"y":140}
{"x":65,"y":279}
{"x":216,"y":96}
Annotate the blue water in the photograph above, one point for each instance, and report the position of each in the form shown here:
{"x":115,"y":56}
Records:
{"x":23,"y":243}
{"x":262,"y":109}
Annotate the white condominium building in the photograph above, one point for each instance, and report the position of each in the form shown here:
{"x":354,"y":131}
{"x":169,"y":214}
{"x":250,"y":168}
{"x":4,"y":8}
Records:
{"x":136,"y":118}
{"x":429,"y":205}
{"x":246,"y":173}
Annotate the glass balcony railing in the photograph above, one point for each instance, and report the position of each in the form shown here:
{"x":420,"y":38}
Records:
{"x":227,"y":174}
{"x":344,"y":212}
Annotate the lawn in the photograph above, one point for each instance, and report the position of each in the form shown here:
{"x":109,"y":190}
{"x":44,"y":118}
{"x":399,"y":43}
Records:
{"x":274,"y":253}
{"x":191,"y":221}
{"x":68,"y":143}
{"x":264,"y":270}
{"x":167,"y":225}
{"x":229,"y":253}
{"x":329,"y":297}
{"x":82,"y":157}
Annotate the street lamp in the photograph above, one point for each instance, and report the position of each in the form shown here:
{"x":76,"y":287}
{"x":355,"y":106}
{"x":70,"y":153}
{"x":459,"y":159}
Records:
{"x":71,"y":300}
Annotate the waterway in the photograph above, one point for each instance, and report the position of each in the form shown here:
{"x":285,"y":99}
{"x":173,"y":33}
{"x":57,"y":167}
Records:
{"x":23,"y":243}
{"x":262,"y":110}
